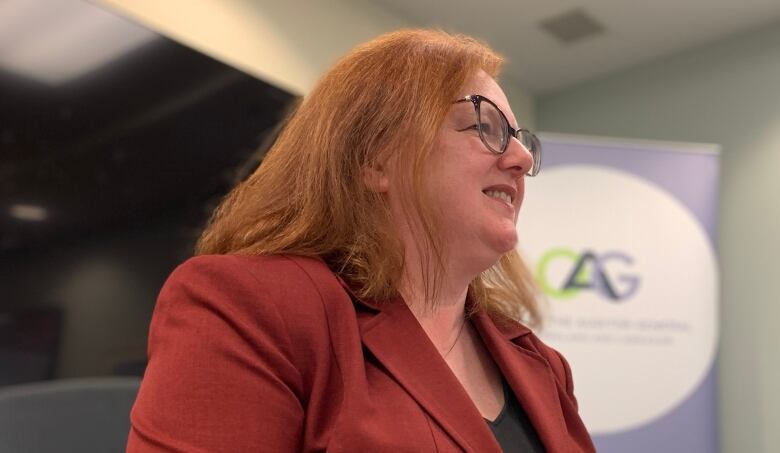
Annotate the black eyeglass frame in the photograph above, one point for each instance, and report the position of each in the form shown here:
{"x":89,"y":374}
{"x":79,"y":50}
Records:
{"x":524,"y":136}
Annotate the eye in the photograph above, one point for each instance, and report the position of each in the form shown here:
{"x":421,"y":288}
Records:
{"x":473,"y":127}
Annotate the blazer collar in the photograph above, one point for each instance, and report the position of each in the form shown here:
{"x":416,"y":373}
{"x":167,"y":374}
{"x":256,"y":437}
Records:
{"x":391,"y":332}
{"x":397,"y":340}
{"x":529,"y":375}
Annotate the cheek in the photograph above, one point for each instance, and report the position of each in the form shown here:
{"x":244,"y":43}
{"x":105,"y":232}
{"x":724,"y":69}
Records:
{"x":456,"y":173}
{"x":520,"y":198}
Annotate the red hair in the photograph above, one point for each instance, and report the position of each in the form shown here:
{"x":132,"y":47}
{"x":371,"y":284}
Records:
{"x":308,"y":197}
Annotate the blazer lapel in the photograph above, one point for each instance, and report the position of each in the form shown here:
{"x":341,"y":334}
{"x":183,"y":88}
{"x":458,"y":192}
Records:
{"x":529,"y":375}
{"x":398,"y":341}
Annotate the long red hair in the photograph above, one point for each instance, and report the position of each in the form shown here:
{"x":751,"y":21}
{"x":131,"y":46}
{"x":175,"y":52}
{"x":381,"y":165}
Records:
{"x":308,"y":197}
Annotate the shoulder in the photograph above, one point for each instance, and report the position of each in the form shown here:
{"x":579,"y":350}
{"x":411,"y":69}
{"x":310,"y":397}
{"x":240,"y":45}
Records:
{"x":233,"y":336}
{"x":260,"y":278}
{"x":276,"y":301}
{"x":524,"y":337}
{"x":279,"y":269}
{"x":280,"y":293}
{"x":558,"y":363}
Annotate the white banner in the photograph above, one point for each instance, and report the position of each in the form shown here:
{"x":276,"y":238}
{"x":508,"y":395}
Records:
{"x":621,"y":237}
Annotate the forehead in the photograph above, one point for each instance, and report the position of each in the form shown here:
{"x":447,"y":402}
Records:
{"x":481,"y":83}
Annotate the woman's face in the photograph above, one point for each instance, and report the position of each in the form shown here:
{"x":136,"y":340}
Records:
{"x":469,"y":183}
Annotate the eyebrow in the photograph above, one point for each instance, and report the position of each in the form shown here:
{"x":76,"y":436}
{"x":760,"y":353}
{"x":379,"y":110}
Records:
{"x":465,"y":100}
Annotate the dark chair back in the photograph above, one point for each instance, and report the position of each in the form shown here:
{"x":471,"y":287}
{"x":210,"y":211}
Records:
{"x":74,"y":415}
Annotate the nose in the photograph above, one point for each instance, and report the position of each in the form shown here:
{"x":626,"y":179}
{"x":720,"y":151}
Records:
{"x":517,"y":159}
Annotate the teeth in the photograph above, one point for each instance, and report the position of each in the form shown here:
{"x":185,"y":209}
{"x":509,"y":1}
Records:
{"x":500,"y":195}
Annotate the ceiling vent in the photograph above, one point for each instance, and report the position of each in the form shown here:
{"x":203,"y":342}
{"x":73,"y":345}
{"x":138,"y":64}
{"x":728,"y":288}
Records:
{"x":572,"y":26}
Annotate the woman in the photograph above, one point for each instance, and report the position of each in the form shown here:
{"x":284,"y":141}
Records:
{"x":361,"y":291}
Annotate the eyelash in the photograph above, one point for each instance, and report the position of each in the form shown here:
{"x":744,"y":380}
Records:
{"x":472,"y":127}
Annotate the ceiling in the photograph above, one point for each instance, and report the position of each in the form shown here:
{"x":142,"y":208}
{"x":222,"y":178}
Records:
{"x":156,"y":128}
{"x":634,"y":31}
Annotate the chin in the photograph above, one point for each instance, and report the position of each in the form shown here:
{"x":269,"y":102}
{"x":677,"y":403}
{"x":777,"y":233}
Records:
{"x":482,"y":255}
{"x":505,"y":240}
{"x":507,"y":246}
{"x":497,"y":248}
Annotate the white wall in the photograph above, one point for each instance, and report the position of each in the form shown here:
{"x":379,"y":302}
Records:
{"x":288,"y":43}
{"x":726,"y":93}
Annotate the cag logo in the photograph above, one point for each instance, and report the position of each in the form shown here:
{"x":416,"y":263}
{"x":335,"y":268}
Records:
{"x":604,"y":273}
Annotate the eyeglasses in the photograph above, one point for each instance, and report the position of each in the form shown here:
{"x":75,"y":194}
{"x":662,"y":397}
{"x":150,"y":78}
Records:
{"x":494,"y":131}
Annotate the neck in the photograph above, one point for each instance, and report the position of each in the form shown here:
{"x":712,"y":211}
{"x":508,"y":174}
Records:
{"x":441,"y":315}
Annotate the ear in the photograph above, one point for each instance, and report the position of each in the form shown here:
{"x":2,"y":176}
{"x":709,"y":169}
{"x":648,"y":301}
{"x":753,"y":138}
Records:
{"x":376,"y":178}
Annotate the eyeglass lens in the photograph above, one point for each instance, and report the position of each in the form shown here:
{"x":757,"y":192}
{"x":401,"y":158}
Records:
{"x":531,"y":143}
{"x":494,"y":132}
{"x":493,"y":127}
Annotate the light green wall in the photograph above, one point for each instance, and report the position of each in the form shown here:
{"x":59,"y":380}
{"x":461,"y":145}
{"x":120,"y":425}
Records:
{"x":726,"y":93}
{"x":522,"y":102}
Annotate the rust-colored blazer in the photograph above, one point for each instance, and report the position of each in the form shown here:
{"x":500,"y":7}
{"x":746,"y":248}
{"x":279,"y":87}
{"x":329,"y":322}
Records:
{"x":271,"y":354}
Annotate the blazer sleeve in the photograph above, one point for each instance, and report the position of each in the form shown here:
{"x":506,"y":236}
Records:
{"x":222,"y":373}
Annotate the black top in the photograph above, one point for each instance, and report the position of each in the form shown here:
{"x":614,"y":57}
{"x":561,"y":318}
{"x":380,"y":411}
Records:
{"x":512,"y":429}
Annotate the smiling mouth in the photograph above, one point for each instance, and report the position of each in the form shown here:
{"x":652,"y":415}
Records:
{"x":499,"y":195}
